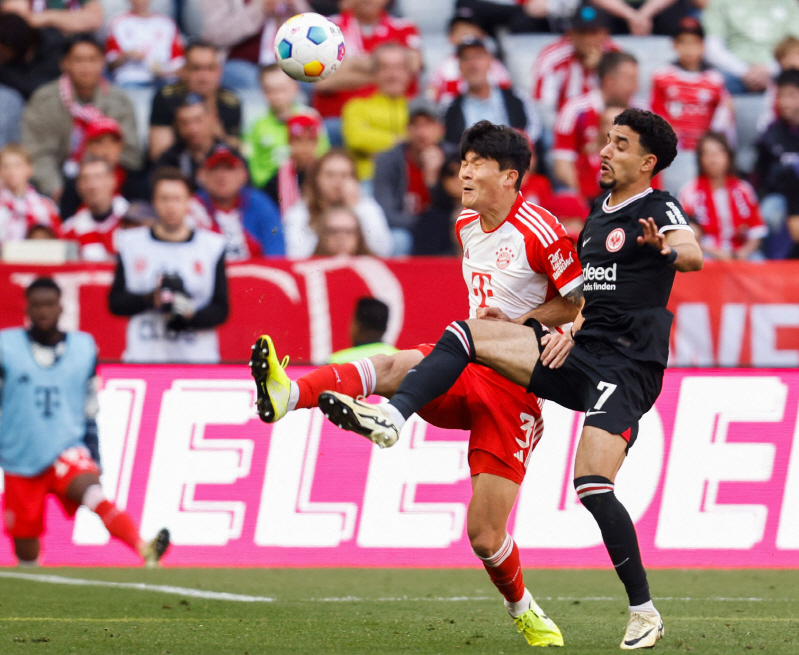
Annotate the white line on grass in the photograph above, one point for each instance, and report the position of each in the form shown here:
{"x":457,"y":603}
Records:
{"x":242,"y":598}
{"x":141,"y":586}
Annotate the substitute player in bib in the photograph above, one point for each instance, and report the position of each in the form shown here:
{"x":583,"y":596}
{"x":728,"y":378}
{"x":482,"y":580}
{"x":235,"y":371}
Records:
{"x":634,"y":240}
{"x":48,"y":405}
{"x":516,"y":257}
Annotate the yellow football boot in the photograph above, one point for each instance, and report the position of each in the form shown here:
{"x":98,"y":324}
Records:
{"x":271,"y":380}
{"x":538,"y":629}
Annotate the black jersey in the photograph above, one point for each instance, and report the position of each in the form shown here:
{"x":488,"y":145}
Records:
{"x":627,"y":286}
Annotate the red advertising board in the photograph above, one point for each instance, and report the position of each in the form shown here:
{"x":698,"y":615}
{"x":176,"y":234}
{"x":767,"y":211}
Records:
{"x":729,"y":314}
{"x":713,"y":480}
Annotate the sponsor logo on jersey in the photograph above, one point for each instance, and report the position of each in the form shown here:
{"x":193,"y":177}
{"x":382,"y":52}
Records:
{"x":597,"y":277}
{"x":558,"y":263}
{"x":675,"y":215}
{"x":615,"y":240}
{"x":504,"y":258}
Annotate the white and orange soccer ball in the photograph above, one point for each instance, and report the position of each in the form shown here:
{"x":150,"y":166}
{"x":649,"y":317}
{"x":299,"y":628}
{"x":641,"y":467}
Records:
{"x":309,"y":47}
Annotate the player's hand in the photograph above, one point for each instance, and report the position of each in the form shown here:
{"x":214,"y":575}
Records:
{"x":556,"y":348}
{"x":493,"y":314}
{"x":652,"y":237}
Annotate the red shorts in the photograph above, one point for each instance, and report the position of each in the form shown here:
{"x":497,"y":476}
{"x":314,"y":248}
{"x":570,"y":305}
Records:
{"x":24,"y":497}
{"x":504,"y":420}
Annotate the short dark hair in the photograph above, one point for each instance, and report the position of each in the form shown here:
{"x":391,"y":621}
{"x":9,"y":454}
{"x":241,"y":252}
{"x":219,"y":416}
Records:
{"x":77,"y":39}
{"x":610,"y":61}
{"x":372,"y":314}
{"x":170,"y":174}
{"x":42,"y":283}
{"x":507,"y":146}
{"x":199,"y":44}
{"x":656,"y":136}
{"x":788,"y":77}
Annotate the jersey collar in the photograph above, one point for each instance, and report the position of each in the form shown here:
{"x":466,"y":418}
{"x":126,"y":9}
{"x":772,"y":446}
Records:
{"x":511,"y":214}
{"x":615,"y":208}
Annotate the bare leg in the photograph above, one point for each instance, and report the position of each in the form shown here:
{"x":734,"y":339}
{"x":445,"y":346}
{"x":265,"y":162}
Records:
{"x":392,"y":369}
{"x":27,"y":550}
{"x":489,"y":509}
{"x":599,"y":453}
{"x":510,"y":349}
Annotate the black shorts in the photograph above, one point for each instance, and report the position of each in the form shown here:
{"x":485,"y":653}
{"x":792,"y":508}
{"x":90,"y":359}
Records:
{"x":613,"y":390}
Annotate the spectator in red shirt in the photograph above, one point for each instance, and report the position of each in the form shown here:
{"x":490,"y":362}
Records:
{"x":446,"y":82}
{"x":567,"y":68}
{"x":578,"y":133}
{"x":95,"y":224}
{"x":406,"y":174}
{"x":366,"y":25}
{"x":724,"y":206}
{"x":22,"y":208}
{"x":571,"y":211}
{"x":536,"y":187}
{"x":692,"y":97}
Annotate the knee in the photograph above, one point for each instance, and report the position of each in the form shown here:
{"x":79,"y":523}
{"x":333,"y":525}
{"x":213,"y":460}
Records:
{"x":383,"y":365}
{"x":486,"y":542}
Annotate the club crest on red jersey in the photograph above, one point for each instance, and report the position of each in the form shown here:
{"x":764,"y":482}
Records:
{"x":615,"y":240}
{"x":504,"y":258}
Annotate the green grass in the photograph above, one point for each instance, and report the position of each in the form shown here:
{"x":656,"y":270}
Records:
{"x":39,"y":617}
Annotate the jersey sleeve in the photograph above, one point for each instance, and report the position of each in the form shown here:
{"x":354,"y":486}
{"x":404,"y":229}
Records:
{"x":558,"y":261}
{"x":668,"y":215}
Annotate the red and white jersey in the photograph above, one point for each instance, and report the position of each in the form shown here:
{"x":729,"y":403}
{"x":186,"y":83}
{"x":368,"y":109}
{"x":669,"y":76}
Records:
{"x":239,"y":244}
{"x":729,"y":215}
{"x":577,"y":139}
{"x":18,"y":214}
{"x":97,"y":239}
{"x":446,"y":82}
{"x":359,"y":40}
{"x":693,"y":102}
{"x":559,"y":75}
{"x":519,"y":265}
{"x":156,"y":36}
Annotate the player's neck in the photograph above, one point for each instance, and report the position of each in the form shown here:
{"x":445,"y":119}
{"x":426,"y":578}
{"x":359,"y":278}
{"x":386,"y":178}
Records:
{"x":492,"y":218}
{"x":46,"y":337}
{"x":618,"y":196}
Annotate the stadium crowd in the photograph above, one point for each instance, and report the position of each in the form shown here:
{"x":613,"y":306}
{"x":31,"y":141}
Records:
{"x":366,"y":162}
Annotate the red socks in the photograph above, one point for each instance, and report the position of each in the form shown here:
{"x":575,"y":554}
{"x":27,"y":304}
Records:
{"x":356,"y":379}
{"x":505,"y":570}
{"x":119,"y":524}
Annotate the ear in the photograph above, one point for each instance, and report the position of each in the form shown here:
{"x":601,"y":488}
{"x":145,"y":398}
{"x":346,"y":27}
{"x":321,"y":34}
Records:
{"x":511,"y":176}
{"x":648,"y":163}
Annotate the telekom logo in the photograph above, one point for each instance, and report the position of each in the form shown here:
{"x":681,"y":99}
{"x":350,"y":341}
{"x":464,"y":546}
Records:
{"x":481,"y":287}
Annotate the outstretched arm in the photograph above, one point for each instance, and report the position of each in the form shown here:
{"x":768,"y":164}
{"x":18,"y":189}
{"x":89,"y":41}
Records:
{"x":682,"y":242}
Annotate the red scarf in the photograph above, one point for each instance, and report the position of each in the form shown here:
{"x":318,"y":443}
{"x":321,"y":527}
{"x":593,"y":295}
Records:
{"x":82,"y":115}
{"x":741,"y":211}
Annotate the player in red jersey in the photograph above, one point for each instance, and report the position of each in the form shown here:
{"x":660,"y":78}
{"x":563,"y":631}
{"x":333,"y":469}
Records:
{"x":517,"y":256}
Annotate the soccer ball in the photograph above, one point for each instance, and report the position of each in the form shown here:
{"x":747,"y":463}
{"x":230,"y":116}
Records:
{"x":308,"y":47}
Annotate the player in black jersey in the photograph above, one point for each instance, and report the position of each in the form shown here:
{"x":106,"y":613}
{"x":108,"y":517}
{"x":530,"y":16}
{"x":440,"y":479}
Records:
{"x":610,"y":365}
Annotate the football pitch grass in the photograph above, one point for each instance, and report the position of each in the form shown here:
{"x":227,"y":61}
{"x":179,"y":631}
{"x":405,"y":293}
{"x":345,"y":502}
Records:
{"x":380,"y":611}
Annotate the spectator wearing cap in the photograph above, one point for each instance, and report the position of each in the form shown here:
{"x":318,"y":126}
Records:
{"x":578,"y":127}
{"x":104,"y":139}
{"x":484,"y":100}
{"x":367,"y":329}
{"x":267,"y":143}
{"x":58,"y":115}
{"x":692,"y":97}
{"x":202,"y":77}
{"x":197,"y":139}
{"x":143,"y":48}
{"x":21,"y":206}
{"x":567,"y":68}
{"x":378,"y":122}
{"x":171,"y":281}
{"x":741,"y":37}
{"x":67,"y":16}
{"x":446,"y":82}
{"x":96,"y":222}
{"x":246,"y":217}
{"x":644,"y":17}
{"x":246,"y":30}
{"x":406,"y":175}
{"x":366,"y":26}
{"x":304,"y":133}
